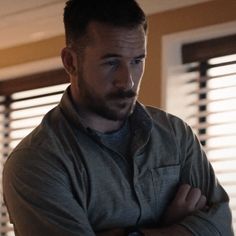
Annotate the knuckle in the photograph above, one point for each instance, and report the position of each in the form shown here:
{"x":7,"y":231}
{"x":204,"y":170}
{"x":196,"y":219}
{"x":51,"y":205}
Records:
{"x":196,"y":191}
{"x":185,"y":186}
{"x":190,"y":208}
{"x":203,"y":198}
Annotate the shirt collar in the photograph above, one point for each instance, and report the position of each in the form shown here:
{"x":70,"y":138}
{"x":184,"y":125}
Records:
{"x":141,"y":122}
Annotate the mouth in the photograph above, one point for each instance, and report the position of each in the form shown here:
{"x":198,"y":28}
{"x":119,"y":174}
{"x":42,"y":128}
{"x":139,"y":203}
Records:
{"x":122,"y":103}
{"x":122,"y":95}
{"x":123,"y":100}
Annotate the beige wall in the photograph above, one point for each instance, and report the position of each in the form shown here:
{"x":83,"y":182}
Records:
{"x":30,"y":52}
{"x":193,"y":17}
{"x":197,"y":16}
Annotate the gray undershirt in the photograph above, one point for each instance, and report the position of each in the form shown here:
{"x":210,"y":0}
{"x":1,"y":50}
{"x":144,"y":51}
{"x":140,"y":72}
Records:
{"x":119,"y":140}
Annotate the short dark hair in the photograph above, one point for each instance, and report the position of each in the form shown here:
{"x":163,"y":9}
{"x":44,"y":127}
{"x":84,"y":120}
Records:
{"x":79,"y":13}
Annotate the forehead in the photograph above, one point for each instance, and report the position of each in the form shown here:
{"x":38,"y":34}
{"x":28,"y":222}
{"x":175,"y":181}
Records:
{"x":116,"y":39}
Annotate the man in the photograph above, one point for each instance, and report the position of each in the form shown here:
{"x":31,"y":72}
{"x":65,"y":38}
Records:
{"x":101,"y":163}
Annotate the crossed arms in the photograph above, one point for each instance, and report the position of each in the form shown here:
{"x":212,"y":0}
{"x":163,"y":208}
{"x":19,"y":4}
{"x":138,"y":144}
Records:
{"x":34,"y":213}
{"x":187,"y":200}
{"x":41,"y":201}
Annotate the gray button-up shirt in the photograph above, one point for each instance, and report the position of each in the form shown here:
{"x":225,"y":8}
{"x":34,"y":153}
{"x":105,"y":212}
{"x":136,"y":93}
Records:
{"x":62,"y":180}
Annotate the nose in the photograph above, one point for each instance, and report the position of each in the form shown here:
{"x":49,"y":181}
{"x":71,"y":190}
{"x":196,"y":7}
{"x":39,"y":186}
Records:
{"x":124,"y":79}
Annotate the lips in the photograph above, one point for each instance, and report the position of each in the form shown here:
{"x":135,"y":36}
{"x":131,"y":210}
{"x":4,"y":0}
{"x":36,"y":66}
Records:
{"x":121,"y":95}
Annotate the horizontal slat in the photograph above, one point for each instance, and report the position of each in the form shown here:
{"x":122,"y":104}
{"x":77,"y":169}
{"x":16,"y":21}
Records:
{"x":31,"y":107}
{"x":27,"y":98}
{"x":206,"y":125}
{"x":39,"y":91}
{"x":233,"y":208}
{"x":226,"y":152}
{"x":36,"y":102}
{"x":5,"y":152}
{"x":207,"y":149}
{"x":224,"y":59}
{"x":3,"y":207}
{"x":222,"y":141}
{"x":207,"y":101}
{"x":26,"y":117}
{"x":204,"y":137}
{"x":222,"y":70}
{"x":224,"y":166}
{"x":18,"y":138}
{"x":229,"y":183}
{"x":207,"y":90}
{"x":220,"y":76}
{"x":37,"y":96}
{"x":222,"y":158}
{"x":28,"y":112}
{"x":6,"y":229}
{"x":201,"y":79}
{"x":209,"y":113}
{"x":4,"y":219}
{"x":229,"y":176}
{"x":26,"y":121}
{"x":209,"y":66}
{"x":20,"y":128}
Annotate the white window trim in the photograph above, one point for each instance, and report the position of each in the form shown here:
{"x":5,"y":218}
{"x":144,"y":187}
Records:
{"x":171,"y":51}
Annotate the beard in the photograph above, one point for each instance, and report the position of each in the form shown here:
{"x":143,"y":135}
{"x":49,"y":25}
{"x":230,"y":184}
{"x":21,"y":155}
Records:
{"x":117,"y":105}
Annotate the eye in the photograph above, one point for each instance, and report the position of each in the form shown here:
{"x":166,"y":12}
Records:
{"x":112,"y":63}
{"x":137,"y":61}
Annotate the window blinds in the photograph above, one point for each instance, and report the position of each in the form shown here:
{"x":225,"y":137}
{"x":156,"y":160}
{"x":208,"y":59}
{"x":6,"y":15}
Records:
{"x":204,"y":95}
{"x":20,"y":113}
{"x":221,"y":123}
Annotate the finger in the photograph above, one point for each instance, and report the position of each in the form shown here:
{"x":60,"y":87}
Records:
{"x":193,"y":197}
{"x":182,"y":192}
{"x":201,"y":203}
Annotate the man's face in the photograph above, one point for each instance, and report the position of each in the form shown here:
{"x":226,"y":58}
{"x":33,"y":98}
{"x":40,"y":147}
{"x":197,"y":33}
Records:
{"x":110,"y":72}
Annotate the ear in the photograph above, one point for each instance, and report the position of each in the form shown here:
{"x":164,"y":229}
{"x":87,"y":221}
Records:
{"x":69,"y":60}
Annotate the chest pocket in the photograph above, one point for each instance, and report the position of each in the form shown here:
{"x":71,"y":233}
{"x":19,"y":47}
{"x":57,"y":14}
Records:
{"x":159,"y":187}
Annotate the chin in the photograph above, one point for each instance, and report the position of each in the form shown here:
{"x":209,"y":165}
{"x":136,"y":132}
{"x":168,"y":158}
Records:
{"x":123,"y":112}
{"x":115,"y":112}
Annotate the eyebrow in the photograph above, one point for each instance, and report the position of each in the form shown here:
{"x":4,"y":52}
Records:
{"x":110,"y":55}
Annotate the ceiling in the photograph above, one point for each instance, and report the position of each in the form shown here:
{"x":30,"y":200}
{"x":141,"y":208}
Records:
{"x":31,"y":20}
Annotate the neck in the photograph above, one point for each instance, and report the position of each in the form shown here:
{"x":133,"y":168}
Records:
{"x":98,"y":123}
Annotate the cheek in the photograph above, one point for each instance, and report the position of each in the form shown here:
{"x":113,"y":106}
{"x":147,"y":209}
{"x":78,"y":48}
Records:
{"x":100,"y":84}
{"x":142,"y":69}
{"x":96,"y":77}
{"x":138,"y":74}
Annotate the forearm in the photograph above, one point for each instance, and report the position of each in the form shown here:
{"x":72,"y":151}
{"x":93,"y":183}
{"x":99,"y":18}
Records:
{"x":111,"y":232}
{"x":215,"y":221}
{"x":175,"y":230}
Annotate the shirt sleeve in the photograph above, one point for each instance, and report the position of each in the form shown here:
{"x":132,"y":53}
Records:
{"x":39,"y":197}
{"x":198,"y":172}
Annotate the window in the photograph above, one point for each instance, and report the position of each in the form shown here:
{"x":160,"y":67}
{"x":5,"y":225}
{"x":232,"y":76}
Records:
{"x":205,"y":95}
{"x":23,"y":103}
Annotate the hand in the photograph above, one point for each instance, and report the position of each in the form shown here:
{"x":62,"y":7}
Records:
{"x":187,"y":200}
{"x":111,"y":232}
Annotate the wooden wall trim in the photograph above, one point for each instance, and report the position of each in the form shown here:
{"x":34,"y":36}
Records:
{"x":31,"y":52}
{"x":39,"y":80}
{"x":204,"y":50}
